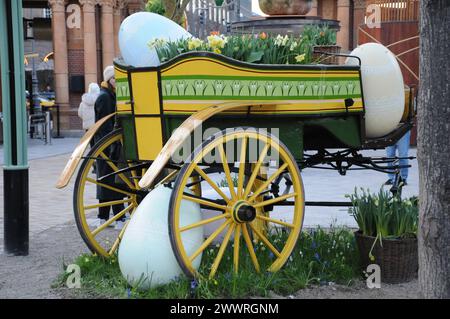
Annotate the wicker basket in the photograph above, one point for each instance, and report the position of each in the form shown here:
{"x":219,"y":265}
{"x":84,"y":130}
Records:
{"x":325,"y":58}
{"x":397,"y":258}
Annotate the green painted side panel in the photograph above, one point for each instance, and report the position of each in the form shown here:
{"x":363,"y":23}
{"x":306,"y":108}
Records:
{"x":288,"y":130}
{"x":127,"y":124}
{"x":345,"y":130}
{"x":122,"y":90}
{"x":270,"y":88}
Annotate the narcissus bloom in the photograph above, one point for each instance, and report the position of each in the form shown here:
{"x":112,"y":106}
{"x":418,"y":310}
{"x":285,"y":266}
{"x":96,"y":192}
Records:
{"x":300,"y":58}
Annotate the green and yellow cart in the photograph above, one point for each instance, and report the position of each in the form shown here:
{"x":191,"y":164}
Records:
{"x":262,"y":123}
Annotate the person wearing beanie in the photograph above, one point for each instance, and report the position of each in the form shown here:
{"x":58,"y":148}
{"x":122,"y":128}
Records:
{"x":105,"y":105}
{"x":86,"y":109}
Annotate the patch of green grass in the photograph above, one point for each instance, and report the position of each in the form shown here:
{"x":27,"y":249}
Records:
{"x":320,"y":256}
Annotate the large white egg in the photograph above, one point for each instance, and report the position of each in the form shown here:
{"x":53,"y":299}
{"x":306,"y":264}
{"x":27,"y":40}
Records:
{"x":383,"y":88}
{"x":146,"y":258}
{"x":138,"y":29}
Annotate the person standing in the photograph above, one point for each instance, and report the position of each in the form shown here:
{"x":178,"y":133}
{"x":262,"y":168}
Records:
{"x":106,"y":105}
{"x":86,"y":109}
{"x":402,"y":147}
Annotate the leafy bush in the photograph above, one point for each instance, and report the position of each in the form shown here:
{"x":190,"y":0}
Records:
{"x":320,"y":35}
{"x":155,"y":6}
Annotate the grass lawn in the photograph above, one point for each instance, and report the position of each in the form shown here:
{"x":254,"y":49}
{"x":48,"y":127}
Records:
{"x":320,"y":257}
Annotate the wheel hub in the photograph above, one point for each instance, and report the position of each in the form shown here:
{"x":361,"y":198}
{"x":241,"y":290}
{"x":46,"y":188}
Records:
{"x":243,"y":212}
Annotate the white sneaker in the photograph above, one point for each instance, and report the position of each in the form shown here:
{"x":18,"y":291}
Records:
{"x":119,"y":225}
{"x":98,"y":222}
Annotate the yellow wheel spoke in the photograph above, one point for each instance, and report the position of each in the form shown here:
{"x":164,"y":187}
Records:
{"x":242,"y":166}
{"x":275,"y":221}
{"x":209,"y":240}
{"x":110,"y":203}
{"x":93,"y":181}
{"x":196,"y":187}
{"x":211,"y":183}
{"x":226,"y":170}
{"x":222,"y":248}
{"x":109,"y":221}
{"x":267,"y":182}
{"x":255,"y":172}
{"x":237,"y":236}
{"x":115,"y":169}
{"x":251,"y":251}
{"x":165,"y":179}
{"x":204,"y":222}
{"x":274,"y":200}
{"x":118,"y":239}
{"x":265,"y":241}
{"x":204,"y":202}
{"x":135,"y":180}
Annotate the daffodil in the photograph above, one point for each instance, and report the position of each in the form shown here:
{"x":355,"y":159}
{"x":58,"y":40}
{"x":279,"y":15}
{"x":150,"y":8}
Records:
{"x":216,"y":42}
{"x":300,"y":58}
{"x":293,"y":46}
{"x":155,"y":43}
{"x":194,"y":43}
{"x":281,"y":41}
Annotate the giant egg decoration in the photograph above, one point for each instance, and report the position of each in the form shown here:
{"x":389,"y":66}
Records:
{"x":138,"y":29}
{"x":383,"y":88}
{"x":146,"y":258}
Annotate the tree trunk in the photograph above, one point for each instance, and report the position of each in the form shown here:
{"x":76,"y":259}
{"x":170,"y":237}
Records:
{"x":175,"y":9}
{"x":433,"y":149}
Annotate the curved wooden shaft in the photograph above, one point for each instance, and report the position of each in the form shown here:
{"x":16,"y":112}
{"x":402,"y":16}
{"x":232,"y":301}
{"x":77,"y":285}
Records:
{"x":77,"y":154}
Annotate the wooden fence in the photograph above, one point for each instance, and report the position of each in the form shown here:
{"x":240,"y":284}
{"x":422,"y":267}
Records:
{"x":215,"y":18}
{"x":397,"y":10}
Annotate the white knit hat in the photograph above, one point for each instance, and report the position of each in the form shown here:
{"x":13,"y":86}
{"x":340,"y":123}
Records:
{"x":108,"y":73}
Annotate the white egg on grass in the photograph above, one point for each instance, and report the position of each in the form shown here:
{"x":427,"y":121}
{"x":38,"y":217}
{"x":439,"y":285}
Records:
{"x":145,"y":256}
{"x":383,"y":88}
{"x":138,"y":29}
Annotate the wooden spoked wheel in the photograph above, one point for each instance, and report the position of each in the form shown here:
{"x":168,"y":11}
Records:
{"x":103,"y":239}
{"x":237,"y":212}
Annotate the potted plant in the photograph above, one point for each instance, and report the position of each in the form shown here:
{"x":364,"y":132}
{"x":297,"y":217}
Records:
{"x":285,"y":7}
{"x":323,"y":40}
{"x":387,"y":234}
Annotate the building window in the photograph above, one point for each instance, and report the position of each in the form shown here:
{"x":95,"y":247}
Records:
{"x":47,"y":13}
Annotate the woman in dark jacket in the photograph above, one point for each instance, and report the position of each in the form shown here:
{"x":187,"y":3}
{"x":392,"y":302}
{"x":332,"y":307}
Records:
{"x":105,"y":105}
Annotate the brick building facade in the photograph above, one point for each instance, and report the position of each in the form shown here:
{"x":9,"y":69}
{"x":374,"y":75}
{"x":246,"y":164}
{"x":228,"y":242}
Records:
{"x":84,"y":37}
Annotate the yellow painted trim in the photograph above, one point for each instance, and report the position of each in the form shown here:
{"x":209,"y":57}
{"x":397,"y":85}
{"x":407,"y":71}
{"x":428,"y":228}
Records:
{"x":145,"y":92}
{"x":208,"y":66}
{"x":149,"y":137}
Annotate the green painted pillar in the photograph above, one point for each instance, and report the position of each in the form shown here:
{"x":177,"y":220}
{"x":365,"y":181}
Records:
{"x":15,"y":169}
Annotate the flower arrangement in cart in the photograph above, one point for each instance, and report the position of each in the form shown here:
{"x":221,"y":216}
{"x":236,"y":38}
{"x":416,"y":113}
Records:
{"x":256,"y":48}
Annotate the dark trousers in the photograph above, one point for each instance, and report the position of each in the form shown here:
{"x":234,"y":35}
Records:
{"x":103,"y":212}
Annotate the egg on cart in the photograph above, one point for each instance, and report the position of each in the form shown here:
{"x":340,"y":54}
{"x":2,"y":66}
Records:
{"x":383,"y":88}
{"x":138,"y":30}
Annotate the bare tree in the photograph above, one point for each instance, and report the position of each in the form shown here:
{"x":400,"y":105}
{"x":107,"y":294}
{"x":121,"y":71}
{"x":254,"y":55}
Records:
{"x":175,"y":9}
{"x":434,"y":149}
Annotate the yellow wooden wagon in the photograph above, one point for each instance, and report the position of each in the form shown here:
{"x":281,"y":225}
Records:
{"x":254,"y":121}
